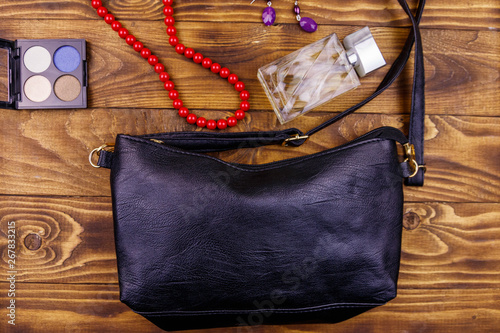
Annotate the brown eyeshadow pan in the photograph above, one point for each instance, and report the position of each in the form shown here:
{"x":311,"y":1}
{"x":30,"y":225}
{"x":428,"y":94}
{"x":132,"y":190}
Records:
{"x":67,"y":88}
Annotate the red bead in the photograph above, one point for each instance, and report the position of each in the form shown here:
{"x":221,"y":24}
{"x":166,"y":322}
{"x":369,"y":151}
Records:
{"x":232,"y":121}
{"x":189,"y":52}
{"x":169,"y":20}
{"x":102,"y":11}
{"x":221,"y":124}
{"x":211,"y":124}
{"x":244,"y":95}
{"x":224,"y":72}
{"x":123,"y":33}
{"x":116,"y":26}
{"x":168,"y":85}
{"x":191,"y":118}
{"x":233,"y":78}
{"x":168,"y":11}
{"x":130,"y":39}
{"x":145,"y":53}
{"x":138,"y":46}
{"x":215,"y":68}
{"x":168,"y":2}
{"x":183,"y":112}
{"x":159,"y":68}
{"x":173,"y":94}
{"x":152,"y":60}
{"x":109,"y":18}
{"x":239,"y":114}
{"x":173,"y":40}
{"x":177,"y":104}
{"x":206,"y":63}
{"x":96,"y":4}
{"x":164,"y":77}
{"x":201,"y":122}
{"x":239,"y":86}
{"x":245,"y":106}
{"x":198,"y":58}
{"x":171,"y":31}
{"x":179,"y":48}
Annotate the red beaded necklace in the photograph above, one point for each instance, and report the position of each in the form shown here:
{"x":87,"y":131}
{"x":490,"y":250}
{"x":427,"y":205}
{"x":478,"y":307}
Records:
{"x":188,"y":53}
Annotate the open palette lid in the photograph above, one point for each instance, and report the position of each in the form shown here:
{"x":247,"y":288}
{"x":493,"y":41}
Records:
{"x":9,"y":46}
{"x":46,"y":73}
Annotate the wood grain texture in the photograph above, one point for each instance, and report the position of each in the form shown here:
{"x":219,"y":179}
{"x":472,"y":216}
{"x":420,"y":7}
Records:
{"x":456,"y":245}
{"x":96,"y":308}
{"x":76,"y":235}
{"x":460,"y":14}
{"x":461,"y":66}
{"x":462,"y":153}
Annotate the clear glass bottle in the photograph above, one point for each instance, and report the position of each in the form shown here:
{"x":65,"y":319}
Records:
{"x":318,"y":72}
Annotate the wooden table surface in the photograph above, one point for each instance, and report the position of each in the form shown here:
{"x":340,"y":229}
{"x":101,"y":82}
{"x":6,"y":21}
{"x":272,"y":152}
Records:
{"x":450,"y":265}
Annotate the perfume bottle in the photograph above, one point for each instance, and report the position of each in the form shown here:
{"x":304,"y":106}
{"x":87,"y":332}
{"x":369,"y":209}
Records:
{"x":318,"y":72}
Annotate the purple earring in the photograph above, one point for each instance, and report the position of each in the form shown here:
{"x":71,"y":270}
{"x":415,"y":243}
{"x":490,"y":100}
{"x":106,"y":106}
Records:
{"x":269,"y":14}
{"x":306,"y":23}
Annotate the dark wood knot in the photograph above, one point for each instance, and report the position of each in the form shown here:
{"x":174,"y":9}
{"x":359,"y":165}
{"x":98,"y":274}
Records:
{"x":411,"y":220}
{"x":33,"y":242}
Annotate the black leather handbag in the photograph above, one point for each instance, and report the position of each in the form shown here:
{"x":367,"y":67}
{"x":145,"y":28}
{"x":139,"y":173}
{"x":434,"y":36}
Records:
{"x":201,"y":242}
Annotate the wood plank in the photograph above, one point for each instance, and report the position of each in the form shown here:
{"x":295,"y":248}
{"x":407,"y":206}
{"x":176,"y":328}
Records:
{"x":460,"y":14}
{"x":456,"y":245}
{"x":96,"y":308}
{"x":461,"y":67}
{"x":60,"y":240}
{"x":51,"y":148}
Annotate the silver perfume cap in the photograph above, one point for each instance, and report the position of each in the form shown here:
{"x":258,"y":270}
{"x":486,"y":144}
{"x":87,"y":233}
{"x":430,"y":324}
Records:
{"x":363,"y":52}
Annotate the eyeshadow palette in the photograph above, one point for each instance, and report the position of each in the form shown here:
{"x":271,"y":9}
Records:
{"x":46,"y":73}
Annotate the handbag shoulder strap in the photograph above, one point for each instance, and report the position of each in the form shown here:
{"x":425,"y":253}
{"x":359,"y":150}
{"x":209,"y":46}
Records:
{"x":417,"y":115}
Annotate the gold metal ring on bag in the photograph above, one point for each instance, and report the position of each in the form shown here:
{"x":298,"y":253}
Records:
{"x":98,"y":152}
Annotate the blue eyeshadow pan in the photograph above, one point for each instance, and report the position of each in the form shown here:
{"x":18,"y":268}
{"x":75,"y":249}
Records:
{"x":67,"y":58}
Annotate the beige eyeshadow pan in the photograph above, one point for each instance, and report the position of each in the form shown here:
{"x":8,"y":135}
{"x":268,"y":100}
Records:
{"x":37,"y":88}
